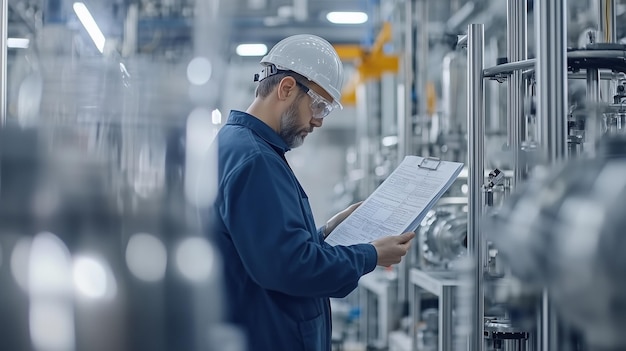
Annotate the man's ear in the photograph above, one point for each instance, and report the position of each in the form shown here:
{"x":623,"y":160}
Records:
{"x":287,"y":87}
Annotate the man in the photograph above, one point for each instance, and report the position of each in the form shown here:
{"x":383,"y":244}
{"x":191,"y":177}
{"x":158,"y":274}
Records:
{"x":279,"y":272}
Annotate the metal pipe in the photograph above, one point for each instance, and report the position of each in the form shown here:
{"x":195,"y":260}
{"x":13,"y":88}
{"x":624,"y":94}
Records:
{"x":405,"y":115}
{"x":551,"y":25}
{"x":552,"y":78}
{"x":301,"y":10}
{"x":495,"y":114}
{"x":593,"y":101}
{"x":415,"y":305}
{"x":583,"y":75}
{"x":607,"y":33}
{"x":607,"y":27}
{"x":446,"y":319}
{"x":528,"y":66}
{"x":476,"y":149}
{"x":4,"y":37}
{"x":548,"y":323}
{"x":363,"y":135}
{"x":507,"y":68}
{"x":422,"y":56}
{"x":131,"y":31}
{"x":516,"y":51}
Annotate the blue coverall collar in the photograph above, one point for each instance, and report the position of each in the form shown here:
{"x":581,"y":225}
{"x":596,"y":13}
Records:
{"x":259,"y":127}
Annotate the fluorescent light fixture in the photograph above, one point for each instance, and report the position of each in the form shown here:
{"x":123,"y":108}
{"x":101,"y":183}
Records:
{"x":251,"y":49}
{"x":347,"y":17}
{"x":90,"y":25}
{"x":18,"y":43}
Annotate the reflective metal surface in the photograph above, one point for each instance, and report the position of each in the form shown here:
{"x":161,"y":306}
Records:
{"x":443,"y":235}
{"x":476,"y":152}
{"x":568,"y":223}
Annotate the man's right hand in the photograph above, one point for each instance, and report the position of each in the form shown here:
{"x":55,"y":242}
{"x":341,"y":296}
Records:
{"x":391,"y":249}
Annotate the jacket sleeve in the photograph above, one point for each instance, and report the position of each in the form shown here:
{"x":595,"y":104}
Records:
{"x":262,"y":211}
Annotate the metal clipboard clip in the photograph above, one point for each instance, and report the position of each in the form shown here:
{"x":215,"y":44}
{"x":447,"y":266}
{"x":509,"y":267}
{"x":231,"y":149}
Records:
{"x":430,"y":163}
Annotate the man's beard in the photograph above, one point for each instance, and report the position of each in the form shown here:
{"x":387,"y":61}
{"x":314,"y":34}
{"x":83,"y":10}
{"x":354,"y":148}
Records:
{"x":290,"y":131}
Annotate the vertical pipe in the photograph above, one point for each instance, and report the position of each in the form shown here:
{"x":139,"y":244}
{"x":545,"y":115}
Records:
{"x":415,"y":305}
{"x":403,"y":289}
{"x":552,"y":78}
{"x":593,"y":99}
{"x":301,"y":10}
{"x":405,"y":118}
{"x":476,"y":141}
{"x":421,"y":56}
{"x":593,"y":85}
{"x":4,"y":33}
{"x":388,"y":103}
{"x":551,"y":24}
{"x":493,"y":114}
{"x":549,"y":334}
{"x":363,"y":139}
{"x":607,"y":27}
{"x":447,"y":93}
{"x":516,"y":51}
{"x":131,"y":31}
{"x":606,"y":34}
{"x":363,"y":298}
{"x":446,"y":319}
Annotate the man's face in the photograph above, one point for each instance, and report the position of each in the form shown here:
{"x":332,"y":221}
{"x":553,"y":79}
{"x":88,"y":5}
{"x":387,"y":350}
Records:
{"x":294,"y":124}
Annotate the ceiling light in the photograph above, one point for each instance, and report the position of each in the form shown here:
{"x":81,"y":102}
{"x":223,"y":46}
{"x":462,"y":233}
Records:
{"x":347,"y":17}
{"x":90,"y":25}
{"x":18,"y":43}
{"x":251,"y":49}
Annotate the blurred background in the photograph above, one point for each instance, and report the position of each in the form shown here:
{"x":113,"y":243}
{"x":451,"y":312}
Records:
{"x":108,"y":108}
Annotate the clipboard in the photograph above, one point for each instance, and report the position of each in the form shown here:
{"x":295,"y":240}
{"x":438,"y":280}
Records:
{"x":400,"y":203}
{"x":430,"y":163}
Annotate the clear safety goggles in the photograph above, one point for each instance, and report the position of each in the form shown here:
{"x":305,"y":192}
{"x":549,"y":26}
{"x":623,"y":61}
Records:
{"x":319,"y":106}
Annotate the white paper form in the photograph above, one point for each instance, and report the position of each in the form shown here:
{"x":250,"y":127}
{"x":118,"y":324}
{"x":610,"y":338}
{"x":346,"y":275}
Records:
{"x":399,"y":204}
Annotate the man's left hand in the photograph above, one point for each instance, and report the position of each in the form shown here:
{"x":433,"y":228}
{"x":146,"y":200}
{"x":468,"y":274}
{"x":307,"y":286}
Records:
{"x":334,"y":221}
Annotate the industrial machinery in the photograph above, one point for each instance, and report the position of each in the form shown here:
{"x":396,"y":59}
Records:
{"x":529,"y":301}
{"x":542,"y":101}
{"x":567,"y":221}
{"x":443,"y":234}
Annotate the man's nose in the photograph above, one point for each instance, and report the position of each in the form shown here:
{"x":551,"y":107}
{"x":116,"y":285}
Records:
{"x":317,"y":122}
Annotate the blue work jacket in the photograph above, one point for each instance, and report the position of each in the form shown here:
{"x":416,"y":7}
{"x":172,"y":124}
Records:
{"x":279,"y":273}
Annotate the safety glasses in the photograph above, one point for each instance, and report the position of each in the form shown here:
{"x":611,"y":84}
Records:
{"x":319,"y":106}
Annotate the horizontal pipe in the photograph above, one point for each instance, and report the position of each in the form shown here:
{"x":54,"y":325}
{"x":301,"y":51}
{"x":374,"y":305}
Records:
{"x":508,"y":68}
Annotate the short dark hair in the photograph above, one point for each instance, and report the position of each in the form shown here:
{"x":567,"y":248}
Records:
{"x":268,"y":84}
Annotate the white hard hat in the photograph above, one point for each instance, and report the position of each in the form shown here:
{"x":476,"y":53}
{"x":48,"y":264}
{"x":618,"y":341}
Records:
{"x":312,"y":57}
